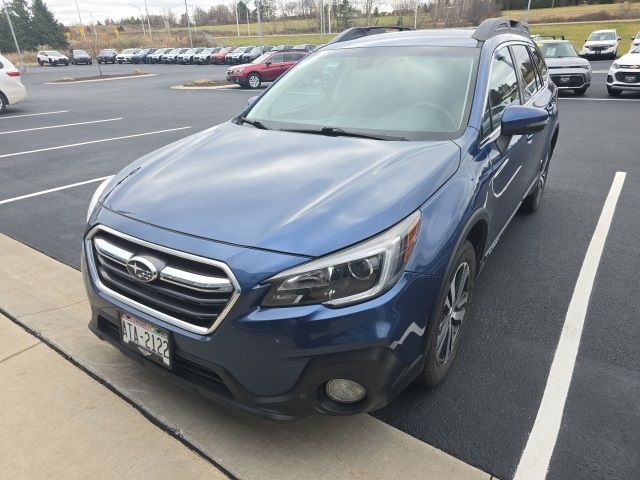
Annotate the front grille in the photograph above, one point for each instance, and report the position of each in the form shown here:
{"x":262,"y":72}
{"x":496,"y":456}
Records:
{"x":188,"y":291}
{"x":628,"y":77}
{"x":573,"y":80}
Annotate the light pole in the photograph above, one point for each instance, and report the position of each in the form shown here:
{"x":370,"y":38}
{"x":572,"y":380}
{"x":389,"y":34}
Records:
{"x":259,"y":24}
{"x":148,"y":20}
{"x":186,"y":12}
{"x":526,"y":18}
{"x":23,"y":67}
{"x":237,"y":20}
{"x":141,"y":17}
{"x":80,"y":18}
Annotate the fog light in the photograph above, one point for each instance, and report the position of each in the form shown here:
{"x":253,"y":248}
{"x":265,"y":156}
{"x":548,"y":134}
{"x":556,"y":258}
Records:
{"x":345,"y":391}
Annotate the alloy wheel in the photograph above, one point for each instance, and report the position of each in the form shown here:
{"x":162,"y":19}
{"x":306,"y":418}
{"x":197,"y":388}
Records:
{"x":453,"y":312}
{"x":254,"y":81}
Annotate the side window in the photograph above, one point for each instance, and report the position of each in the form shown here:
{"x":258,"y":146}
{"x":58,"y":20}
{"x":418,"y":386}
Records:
{"x":278,"y":58}
{"x":503,"y":90}
{"x":290,"y":57}
{"x":540,"y":64}
{"x":527,"y":71}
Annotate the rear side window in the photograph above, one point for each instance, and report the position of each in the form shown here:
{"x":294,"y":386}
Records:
{"x":503,"y":90}
{"x":279,"y":58}
{"x":540,"y":65}
{"x":292,"y":57}
{"x":527,"y":71}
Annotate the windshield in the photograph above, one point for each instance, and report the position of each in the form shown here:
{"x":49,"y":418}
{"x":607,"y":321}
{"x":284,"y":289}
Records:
{"x":106,"y":51}
{"x":558,"y":50}
{"x":238,"y":50}
{"x":128,"y":50}
{"x":636,"y":50}
{"x":262,"y":58}
{"x":79,"y":52}
{"x":54,"y":53}
{"x":418,"y":93}
{"x":602,"y":36}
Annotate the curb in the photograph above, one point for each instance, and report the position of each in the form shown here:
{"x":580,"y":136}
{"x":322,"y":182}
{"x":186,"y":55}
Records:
{"x":102,"y":79}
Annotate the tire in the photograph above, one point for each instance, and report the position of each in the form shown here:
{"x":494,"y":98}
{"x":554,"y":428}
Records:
{"x":443,"y":335}
{"x":254,"y":81}
{"x":613,"y":93}
{"x":40,"y":62}
{"x":120,"y":62}
{"x":532,"y":202}
{"x":3,"y":103}
{"x":580,"y":91}
{"x":90,"y":62}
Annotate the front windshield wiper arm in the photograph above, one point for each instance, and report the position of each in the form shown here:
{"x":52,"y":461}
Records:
{"x":339,"y":132}
{"x":254,"y":123}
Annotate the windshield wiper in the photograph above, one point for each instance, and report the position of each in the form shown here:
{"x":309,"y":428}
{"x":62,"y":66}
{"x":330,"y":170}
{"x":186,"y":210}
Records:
{"x":254,"y":123}
{"x":338,"y":132}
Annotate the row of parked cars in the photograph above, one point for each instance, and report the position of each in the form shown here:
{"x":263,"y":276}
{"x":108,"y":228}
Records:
{"x":198,"y":55}
{"x":571,"y":70}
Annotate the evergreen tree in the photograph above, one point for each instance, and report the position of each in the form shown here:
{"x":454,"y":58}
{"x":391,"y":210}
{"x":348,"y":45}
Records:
{"x":344,"y":15}
{"x":6,"y":42}
{"x":21,"y":19}
{"x":45,"y":29}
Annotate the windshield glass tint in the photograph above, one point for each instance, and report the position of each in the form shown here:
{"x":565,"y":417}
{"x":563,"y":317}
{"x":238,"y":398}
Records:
{"x":602,"y":36}
{"x":558,"y":50}
{"x":418,"y":93}
{"x":54,"y":53}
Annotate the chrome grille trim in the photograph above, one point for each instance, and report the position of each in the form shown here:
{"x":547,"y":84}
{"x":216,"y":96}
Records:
{"x":179,"y":277}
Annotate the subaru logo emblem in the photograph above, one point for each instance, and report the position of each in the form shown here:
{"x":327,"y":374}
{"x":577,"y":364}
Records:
{"x":142,"y":269}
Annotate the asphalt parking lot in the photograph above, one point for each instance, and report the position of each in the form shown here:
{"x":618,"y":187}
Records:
{"x":65,"y":135}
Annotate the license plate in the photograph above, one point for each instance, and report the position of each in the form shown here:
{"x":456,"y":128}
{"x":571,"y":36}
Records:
{"x":149,"y":340}
{"x":565,"y":79}
{"x":630,"y":78}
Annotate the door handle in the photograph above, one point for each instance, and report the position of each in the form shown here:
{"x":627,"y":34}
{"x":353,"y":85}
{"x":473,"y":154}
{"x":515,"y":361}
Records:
{"x":529,"y":137}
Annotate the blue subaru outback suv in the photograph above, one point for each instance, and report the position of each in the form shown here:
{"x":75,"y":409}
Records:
{"x":318,"y":253}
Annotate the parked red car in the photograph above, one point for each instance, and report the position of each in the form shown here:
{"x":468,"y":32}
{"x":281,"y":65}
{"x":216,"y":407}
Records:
{"x":219,"y":56}
{"x":265,"y":68}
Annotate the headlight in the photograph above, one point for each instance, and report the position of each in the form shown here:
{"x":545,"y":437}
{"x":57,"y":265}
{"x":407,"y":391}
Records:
{"x":357,"y":273}
{"x":240,"y":70}
{"x":615,"y":65}
{"x":96,"y":196}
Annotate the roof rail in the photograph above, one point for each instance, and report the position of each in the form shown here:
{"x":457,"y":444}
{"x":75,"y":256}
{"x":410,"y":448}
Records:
{"x":359,"y":32}
{"x":496,"y":26}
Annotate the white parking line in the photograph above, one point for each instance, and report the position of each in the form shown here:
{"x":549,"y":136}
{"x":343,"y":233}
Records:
{"x":43,"y":192}
{"x":61,"y":126}
{"x":5,"y":117}
{"x":535,"y":459}
{"x":92,"y":142}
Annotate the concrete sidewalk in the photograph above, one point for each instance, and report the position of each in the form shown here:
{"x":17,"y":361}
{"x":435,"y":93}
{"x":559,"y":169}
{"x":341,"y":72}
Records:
{"x":57,"y":422}
{"x":48,"y":298}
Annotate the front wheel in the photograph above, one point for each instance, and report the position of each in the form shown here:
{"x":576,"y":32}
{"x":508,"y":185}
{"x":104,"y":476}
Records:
{"x":444,"y":331}
{"x":532,"y":202}
{"x":613,"y":93}
{"x":3,"y":102}
{"x":254,"y":81}
{"x":580,"y":91}
{"x":40,"y":62}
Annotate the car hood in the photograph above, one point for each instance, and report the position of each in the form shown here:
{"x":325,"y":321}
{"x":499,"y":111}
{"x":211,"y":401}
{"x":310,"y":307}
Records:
{"x":600,"y":43}
{"x":566,"y":62}
{"x":289,"y":192}
{"x":629,"y":59}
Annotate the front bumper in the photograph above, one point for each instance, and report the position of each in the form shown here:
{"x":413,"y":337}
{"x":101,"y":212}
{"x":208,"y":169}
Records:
{"x":274,"y":362}
{"x":570,"y":78}
{"x":623,"y":79}
{"x":604,"y":53}
{"x":235,"y":78}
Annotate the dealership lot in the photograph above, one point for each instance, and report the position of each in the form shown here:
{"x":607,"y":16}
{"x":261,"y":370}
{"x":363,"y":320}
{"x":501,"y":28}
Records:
{"x":66,"y":135}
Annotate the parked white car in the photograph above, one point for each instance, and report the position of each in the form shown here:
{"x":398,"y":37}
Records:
{"x":126,"y":55}
{"x":601,"y":43}
{"x":12,"y":90}
{"x":624,"y":74}
{"x":635,"y":42}
{"x":52,"y":57}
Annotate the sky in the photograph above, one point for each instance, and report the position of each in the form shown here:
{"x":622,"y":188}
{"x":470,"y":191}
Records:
{"x":65,"y":10}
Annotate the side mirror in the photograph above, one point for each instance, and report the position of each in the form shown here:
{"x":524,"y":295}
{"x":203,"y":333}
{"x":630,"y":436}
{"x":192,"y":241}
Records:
{"x":619,"y":38}
{"x":252,"y":100}
{"x":266,"y":64}
{"x":522,"y":120}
